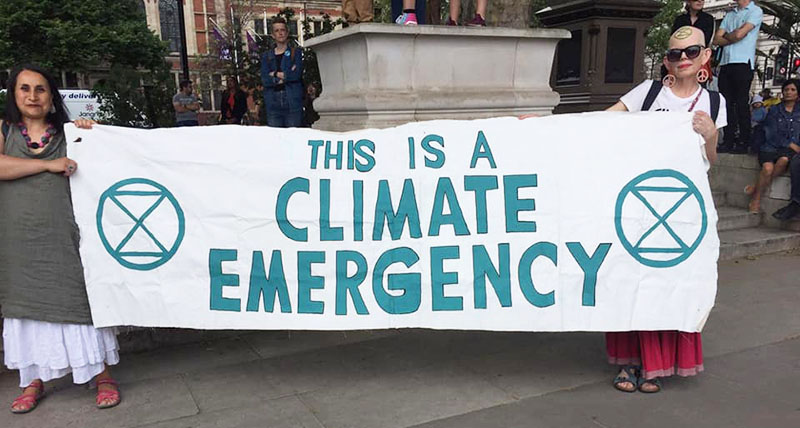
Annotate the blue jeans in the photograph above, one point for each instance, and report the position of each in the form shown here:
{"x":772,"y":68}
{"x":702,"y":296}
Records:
{"x":280,"y":115}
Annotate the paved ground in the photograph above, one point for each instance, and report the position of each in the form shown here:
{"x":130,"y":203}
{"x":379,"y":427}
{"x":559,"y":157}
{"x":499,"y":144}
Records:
{"x":449,"y":379}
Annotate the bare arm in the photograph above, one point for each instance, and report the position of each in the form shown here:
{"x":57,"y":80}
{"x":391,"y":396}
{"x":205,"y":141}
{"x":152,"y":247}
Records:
{"x":739,"y":33}
{"x":719,"y":38}
{"x":180,"y":108}
{"x":12,"y":168}
{"x":619,"y":106}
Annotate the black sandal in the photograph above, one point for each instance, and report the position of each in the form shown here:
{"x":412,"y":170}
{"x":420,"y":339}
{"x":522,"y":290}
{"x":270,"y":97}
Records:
{"x":632,"y":373}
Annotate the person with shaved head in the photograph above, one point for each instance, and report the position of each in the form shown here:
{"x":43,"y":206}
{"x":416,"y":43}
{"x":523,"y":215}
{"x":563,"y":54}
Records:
{"x":737,"y":35}
{"x":647,"y":356}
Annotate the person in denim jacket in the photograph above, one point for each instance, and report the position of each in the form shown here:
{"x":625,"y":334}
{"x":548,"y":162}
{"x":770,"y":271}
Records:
{"x":282,"y":76}
{"x":782,"y":135}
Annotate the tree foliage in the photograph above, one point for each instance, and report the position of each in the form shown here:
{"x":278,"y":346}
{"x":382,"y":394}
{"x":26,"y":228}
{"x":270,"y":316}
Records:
{"x":92,"y":36}
{"x":659,"y":33}
{"x":786,"y":26}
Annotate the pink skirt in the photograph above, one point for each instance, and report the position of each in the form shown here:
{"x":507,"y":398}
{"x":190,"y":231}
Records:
{"x":660,"y":353}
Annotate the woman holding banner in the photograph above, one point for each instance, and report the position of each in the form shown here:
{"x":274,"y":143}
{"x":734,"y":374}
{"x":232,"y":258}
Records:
{"x":647,"y":356}
{"x":47,"y":327}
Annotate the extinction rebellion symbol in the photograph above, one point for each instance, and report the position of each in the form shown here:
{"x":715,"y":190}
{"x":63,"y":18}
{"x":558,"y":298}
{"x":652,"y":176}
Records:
{"x":140,"y":223}
{"x":660,"y":218}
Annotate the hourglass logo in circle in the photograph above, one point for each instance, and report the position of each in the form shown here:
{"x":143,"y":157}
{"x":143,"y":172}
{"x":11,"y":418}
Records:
{"x":660,"y":218}
{"x":140,"y":223}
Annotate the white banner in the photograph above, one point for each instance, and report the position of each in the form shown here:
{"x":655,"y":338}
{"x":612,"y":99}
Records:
{"x":598,"y":222}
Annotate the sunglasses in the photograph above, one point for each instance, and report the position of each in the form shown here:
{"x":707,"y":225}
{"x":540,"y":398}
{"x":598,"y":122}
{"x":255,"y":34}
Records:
{"x":692,"y":52}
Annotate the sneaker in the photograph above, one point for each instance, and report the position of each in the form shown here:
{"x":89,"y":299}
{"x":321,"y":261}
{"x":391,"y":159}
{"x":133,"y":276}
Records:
{"x":477,"y":21}
{"x":787,"y":212}
{"x":451,"y":23}
{"x":407,"y":19}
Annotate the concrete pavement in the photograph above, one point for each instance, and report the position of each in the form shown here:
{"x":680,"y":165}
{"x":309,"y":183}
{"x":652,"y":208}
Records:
{"x":448,"y":379}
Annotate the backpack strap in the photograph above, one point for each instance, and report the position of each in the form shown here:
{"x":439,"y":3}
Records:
{"x":714,"y":99}
{"x":655,"y":88}
{"x":6,"y":129}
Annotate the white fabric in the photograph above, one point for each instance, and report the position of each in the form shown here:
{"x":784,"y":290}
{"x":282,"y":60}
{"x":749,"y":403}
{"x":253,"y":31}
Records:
{"x":46,"y":351}
{"x":666,"y":100}
{"x":305,"y":229}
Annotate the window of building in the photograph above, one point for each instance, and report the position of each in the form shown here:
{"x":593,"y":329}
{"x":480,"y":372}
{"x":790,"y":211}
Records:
{"x":317,"y":27}
{"x":258,"y":24}
{"x":71,"y":80}
{"x":620,"y":52}
{"x":568,"y":68}
{"x":170,"y":26}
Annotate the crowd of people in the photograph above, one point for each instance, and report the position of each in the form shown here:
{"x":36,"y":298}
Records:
{"x":48,"y":330}
{"x":760,"y":125}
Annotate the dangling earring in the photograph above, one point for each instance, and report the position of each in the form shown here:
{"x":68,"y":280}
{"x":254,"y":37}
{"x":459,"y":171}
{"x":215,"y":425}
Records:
{"x":702,"y":75}
{"x":52,"y":108}
{"x":668,"y":81}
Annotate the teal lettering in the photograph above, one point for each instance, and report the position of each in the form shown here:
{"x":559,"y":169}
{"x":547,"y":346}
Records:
{"x":219,"y":280}
{"x":511,"y":186}
{"x":349,"y":284}
{"x":548,"y":250}
{"x":438,"y":155}
{"x":307,"y":282}
{"x":590,"y":266}
{"x":297,"y":184}
{"x":315,"y":145}
{"x":268,"y":286}
{"x":326,"y":232}
{"x":410,"y":283}
{"x":440,"y":278}
{"x":482,"y":150}
{"x":445,"y":190}
{"x":337,"y":156}
{"x":480,"y":184}
{"x":407,"y":211}
{"x":482,"y":269}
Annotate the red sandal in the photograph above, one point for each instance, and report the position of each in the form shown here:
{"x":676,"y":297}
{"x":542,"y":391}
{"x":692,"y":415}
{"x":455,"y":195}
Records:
{"x":29,"y":401}
{"x":104,"y":395}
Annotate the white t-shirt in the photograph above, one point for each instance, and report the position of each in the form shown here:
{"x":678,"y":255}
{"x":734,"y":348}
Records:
{"x":667,"y":101}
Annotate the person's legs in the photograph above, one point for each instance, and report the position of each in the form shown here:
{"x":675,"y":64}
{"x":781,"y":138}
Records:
{"x":743,"y":80}
{"x":455,"y":9}
{"x":793,"y":208}
{"x":409,"y":15}
{"x":349,"y":12}
{"x":294,"y":118}
{"x":764,"y":179}
{"x":726,"y":89}
{"x":364,"y":8}
{"x":481,"y":8}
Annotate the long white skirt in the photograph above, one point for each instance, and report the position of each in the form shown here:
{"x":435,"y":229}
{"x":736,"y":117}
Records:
{"x":46,"y":351}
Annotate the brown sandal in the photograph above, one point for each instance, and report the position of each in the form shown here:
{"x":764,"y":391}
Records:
{"x":28,"y":401}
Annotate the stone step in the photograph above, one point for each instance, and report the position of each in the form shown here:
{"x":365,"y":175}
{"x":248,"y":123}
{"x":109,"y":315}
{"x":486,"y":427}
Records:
{"x":755,"y":241}
{"x":720,"y":198}
{"x":731,"y":218}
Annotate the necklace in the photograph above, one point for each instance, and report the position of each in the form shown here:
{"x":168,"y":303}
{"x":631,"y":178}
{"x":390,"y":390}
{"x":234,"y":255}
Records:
{"x":696,"y":99}
{"x":45,"y":137}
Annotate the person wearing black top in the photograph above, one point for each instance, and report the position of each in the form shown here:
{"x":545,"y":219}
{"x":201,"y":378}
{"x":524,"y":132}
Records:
{"x":234,"y":103}
{"x":695,"y":17}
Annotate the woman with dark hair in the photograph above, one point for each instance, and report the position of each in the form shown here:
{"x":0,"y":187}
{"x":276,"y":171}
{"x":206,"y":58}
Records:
{"x":47,"y":327}
{"x":234,"y":102}
{"x":781,"y":142}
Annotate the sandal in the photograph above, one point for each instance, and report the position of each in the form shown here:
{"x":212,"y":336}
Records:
{"x":29,"y":401}
{"x":754,"y":207}
{"x":632,"y":378}
{"x":654,"y":382}
{"x":104,"y":395}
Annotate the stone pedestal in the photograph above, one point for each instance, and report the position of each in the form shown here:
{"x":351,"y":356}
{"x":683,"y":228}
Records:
{"x":604,"y":58}
{"x":380,"y":75}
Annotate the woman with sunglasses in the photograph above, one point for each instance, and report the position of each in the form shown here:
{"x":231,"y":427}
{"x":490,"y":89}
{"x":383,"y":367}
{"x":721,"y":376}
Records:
{"x":647,"y":356}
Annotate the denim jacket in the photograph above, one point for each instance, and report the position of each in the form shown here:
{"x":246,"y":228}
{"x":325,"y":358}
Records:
{"x":292,"y":69}
{"x":781,"y":128}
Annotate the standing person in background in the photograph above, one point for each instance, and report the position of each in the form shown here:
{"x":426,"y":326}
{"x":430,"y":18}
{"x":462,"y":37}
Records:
{"x":695,"y":17}
{"x":186,"y":105}
{"x":357,"y":11}
{"x":282,"y":76}
{"x":309,"y":114}
{"x":737,"y":35}
{"x":234,"y":103}
{"x":408,"y":12}
{"x":47,"y":326}
{"x":479,"y":20}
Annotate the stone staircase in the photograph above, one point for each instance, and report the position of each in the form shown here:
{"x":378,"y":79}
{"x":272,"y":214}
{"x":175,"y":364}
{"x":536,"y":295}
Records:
{"x":741,"y":233}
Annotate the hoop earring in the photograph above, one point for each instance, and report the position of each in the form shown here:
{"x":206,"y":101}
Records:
{"x":668,"y":81}
{"x":702,"y":75}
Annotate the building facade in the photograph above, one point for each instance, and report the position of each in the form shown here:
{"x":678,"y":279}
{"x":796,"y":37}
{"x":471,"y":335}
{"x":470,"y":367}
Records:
{"x":206,"y":20}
